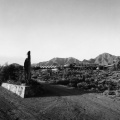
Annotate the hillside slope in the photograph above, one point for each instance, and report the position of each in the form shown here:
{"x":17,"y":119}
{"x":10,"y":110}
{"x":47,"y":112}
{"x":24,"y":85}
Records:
{"x":59,"y":103}
{"x":106,"y":59}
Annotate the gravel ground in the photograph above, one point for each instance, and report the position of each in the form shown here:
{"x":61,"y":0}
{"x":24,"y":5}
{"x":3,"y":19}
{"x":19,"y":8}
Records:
{"x":58,"y":103}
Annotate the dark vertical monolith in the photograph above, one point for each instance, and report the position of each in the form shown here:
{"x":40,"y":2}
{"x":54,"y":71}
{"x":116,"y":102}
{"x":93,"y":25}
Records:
{"x":27,"y":68}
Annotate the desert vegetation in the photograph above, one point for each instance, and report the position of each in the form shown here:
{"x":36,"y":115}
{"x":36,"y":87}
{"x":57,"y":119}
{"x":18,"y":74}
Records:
{"x":75,"y":90}
{"x":12,"y":72}
{"x":86,"y":78}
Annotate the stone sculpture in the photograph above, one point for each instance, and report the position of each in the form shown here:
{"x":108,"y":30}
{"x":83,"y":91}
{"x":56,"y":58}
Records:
{"x":27,"y":68}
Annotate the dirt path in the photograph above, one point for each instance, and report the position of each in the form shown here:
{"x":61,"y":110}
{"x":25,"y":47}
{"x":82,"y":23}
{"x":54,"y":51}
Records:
{"x":59,"y":103}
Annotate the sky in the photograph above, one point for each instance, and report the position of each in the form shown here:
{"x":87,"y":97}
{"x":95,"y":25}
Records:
{"x":82,"y":29}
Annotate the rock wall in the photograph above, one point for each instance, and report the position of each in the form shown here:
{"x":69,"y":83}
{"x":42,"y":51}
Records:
{"x":18,"y":89}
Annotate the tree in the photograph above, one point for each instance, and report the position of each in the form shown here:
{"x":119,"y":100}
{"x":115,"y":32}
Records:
{"x":10,"y":72}
{"x":118,"y":65}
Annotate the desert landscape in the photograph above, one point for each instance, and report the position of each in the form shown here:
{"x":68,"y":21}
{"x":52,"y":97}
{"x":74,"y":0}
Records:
{"x":59,"y":103}
{"x":70,"y":93}
{"x":59,"y":59}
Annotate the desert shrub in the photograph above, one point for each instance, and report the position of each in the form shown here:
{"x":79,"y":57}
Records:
{"x":74,"y":80}
{"x":102,"y":87}
{"x":46,"y":77}
{"x":81,"y":79}
{"x":118,"y":85}
{"x":4,"y":74}
{"x":34,"y":76}
{"x":92,"y":85}
{"x":10,"y":72}
{"x":83,"y":85}
{"x":87,"y":80}
{"x":109,"y":92}
{"x":13,"y":72}
{"x":13,"y":82}
{"x":86,"y":75}
{"x":118,"y":65}
{"x":112,"y":85}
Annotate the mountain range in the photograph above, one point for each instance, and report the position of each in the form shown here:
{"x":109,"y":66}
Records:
{"x":59,"y":61}
{"x":102,"y":59}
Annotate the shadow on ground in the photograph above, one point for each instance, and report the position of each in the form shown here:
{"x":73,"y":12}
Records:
{"x":49,"y":90}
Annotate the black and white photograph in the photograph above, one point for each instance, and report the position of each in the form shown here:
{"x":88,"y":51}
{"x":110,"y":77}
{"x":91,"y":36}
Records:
{"x":59,"y":59}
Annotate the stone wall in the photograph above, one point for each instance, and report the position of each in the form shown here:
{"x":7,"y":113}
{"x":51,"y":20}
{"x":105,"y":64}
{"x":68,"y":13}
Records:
{"x":18,"y":89}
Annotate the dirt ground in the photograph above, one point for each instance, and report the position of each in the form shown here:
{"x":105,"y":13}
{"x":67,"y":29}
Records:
{"x":59,"y":103}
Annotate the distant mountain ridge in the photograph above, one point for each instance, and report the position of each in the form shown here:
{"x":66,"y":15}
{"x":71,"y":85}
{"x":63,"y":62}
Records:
{"x":59,"y":61}
{"x":102,"y":59}
{"x":106,"y":59}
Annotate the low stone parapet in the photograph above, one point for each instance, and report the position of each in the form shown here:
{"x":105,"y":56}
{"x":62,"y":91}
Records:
{"x":22,"y":90}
